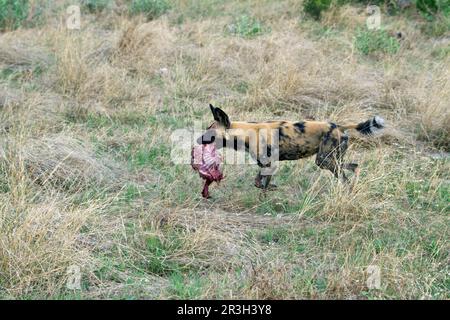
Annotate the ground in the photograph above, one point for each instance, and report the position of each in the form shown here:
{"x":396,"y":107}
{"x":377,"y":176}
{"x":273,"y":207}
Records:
{"x":88,"y":190}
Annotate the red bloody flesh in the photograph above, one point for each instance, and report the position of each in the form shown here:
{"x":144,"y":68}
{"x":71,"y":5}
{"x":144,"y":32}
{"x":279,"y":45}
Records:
{"x":206,"y":161}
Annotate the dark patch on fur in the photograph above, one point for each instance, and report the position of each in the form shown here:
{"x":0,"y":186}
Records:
{"x":235,"y":143}
{"x":291,"y":155}
{"x":264,"y":159}
{"x":207,"y":138}
{"x":328,"y":134}
{"x":364,"y":127}
{"x":376,"y":124}
{"x":370,"y":126}
{"x":300,"y":126}
{"x":282,"y":134}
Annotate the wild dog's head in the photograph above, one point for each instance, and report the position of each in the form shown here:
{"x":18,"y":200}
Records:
{"x":217,"y":131}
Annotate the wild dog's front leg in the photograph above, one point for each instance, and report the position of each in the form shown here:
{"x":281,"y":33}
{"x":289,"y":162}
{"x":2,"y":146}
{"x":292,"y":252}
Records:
{"x":263,"y":178}
{"x":258,"y":182}
{"x":265,"y":158}
{"x":263,"y":181}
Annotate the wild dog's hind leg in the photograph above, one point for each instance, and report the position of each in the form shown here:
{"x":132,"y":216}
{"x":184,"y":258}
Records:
{"x":331,"y":152}
{"x":351,"y":167}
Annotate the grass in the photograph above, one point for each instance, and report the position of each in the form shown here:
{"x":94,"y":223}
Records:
{"x":314,"y":8}
{"x":95,"y":6}
{"x":85,"y":125}
{"x":182,"y":287}
{"x":13,"y":13}
{"x":151,"y":9}
{"x":247,"y":27}
{"x":370,"y":42}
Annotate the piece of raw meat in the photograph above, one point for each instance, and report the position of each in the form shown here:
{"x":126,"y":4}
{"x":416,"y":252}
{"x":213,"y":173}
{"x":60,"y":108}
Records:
{"x":206,"y":160}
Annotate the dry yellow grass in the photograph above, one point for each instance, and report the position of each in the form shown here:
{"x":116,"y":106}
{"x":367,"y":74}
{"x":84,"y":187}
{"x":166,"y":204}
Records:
{"x":86,"y":178}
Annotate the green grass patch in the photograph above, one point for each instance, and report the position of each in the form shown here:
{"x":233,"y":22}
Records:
{"x":294,"y":241}
{"x":186,"y":287}
{"x":314,"y":8}
{"x":318,"y":31}
{"x":13,"y":13}
{"x":157,"y":262}
{"x":430,"y":7}
{"x":91,"y":193}
{"x":95,"y":6}
{"x":168,"y":121}
{"x":441,"y":53}
{"x":247,"y":27}
{"x":275,"y":235}
{"x":241,"y":87}
{"x":437,"y":26}
{"x":151,"y":9}
{"x":320,"y":284}
{"x":131,"y":193}
{"x":119,"y":119}
{"x":434,"y":248}
{"x":422,"y":195}
{"x":369,"y":42}
{"x":277,"y":206}
{"x":18,"y":75}
{"x":4,"y":184}
{"x":109,"y":269}
{"x":198,"y":9}
{"x":156,"y":156}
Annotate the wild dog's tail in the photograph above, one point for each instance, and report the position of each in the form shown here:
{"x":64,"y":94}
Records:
{"x":368,"y":127}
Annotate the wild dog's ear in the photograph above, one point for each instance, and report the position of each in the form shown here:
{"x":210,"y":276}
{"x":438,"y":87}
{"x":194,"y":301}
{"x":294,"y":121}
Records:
{"x":212,"y":110}
{"x":223,"y":118}
{"x":220,"y":116}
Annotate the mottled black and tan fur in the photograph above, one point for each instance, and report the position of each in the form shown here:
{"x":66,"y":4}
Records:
{"x":296,"y":140}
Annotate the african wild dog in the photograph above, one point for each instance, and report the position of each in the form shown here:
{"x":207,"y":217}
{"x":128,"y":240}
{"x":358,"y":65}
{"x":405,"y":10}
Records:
{"x":295,"y":140}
